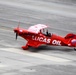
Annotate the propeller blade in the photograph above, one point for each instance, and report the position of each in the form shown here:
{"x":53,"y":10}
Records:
{"x":16,"y":36}
{"x":17,"y":33}
{"x":18,"y":25}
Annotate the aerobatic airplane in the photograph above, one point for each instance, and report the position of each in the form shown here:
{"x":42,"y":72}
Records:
{"x":38,"y":35}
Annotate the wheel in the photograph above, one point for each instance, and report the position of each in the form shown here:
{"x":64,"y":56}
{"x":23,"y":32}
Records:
{"x":75,"y":48}
{"x":25,"y":47}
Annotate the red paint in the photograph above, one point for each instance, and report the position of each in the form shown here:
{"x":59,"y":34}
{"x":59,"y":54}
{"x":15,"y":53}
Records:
{"x":36,"y":39}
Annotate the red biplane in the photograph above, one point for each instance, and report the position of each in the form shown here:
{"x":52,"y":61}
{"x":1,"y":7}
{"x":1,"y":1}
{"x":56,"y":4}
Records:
{"x":38,"y":35}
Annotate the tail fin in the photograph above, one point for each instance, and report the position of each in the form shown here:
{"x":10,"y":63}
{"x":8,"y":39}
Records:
{"x":71,"y":39}
{"x":70,"y":36}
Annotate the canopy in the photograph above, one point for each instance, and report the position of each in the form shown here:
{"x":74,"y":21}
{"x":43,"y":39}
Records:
{"x":37,"y":28}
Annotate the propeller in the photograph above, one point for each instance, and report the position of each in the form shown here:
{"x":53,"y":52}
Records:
{"x":17,"y":33}
{"x":16,"y":36}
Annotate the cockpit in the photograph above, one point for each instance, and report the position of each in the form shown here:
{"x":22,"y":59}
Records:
{"x":45,"y":32}
{"x":39,"y":28}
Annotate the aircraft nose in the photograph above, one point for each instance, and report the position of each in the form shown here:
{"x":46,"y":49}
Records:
{"x":17,"y":33}
{"x":15,"y":30}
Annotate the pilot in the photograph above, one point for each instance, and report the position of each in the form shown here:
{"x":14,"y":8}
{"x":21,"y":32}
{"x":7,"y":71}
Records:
{"x":40,"y":32}
{"x":48,"y":34}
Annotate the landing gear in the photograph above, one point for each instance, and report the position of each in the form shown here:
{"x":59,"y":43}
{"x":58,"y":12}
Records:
{"x":75,"y":48}
{"x":31,"y":49}
{"x":25,"y":47}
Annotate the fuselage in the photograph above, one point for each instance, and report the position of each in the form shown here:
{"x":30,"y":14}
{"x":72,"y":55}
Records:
{"x":42,"y":38}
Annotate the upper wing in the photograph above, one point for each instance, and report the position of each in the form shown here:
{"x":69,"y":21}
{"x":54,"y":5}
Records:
{"x":37,"y":28}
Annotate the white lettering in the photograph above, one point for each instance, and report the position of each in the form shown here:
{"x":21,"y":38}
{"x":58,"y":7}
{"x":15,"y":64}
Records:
{"x":48,"y":40}
{"x":33,"y":38}
{"x":41,"y":39}
{"x":56,"y":42}
{"x":44,"y":40}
